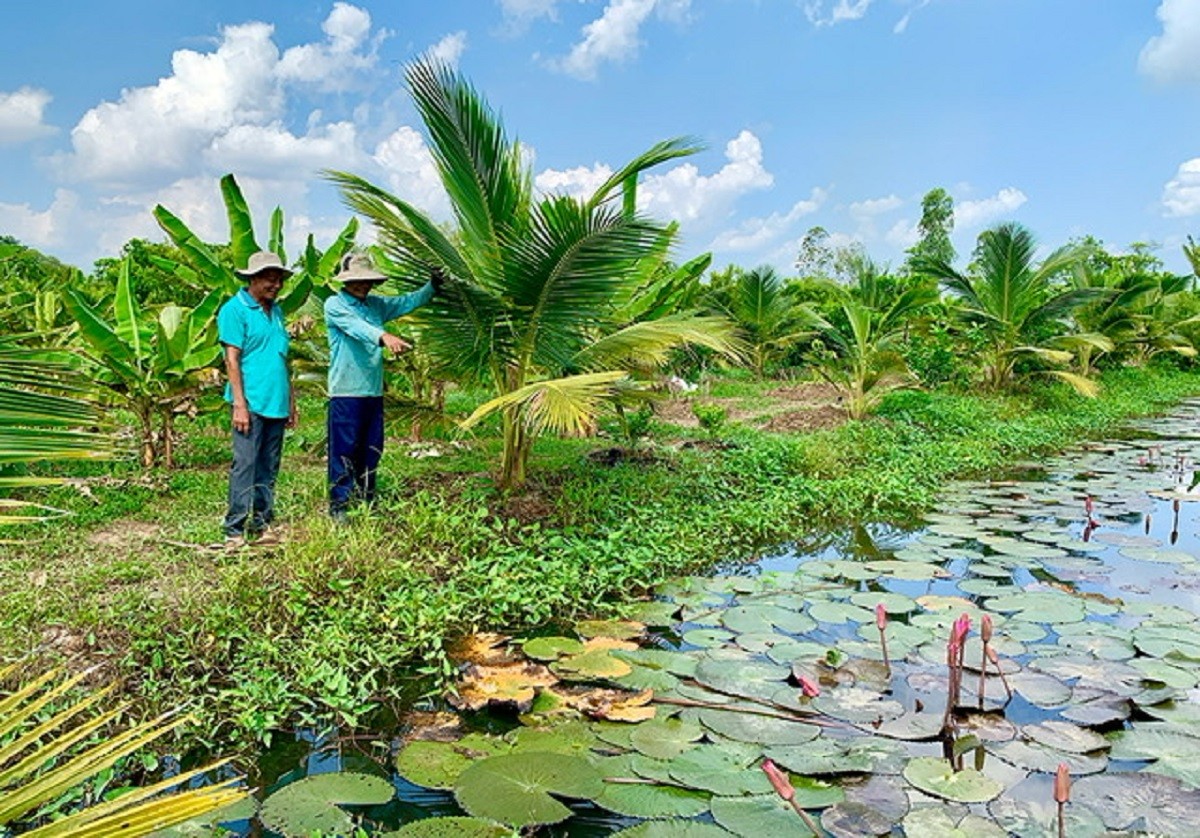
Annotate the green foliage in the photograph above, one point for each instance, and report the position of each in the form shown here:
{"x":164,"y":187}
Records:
{"x":156,"y":286}
{"x":771,"y":319}
{"x":1020,"y":305}
{"x":50,"y":748}
{"x":935,"y":227}
{"x":553,"y":304}
{"x":712,"y":417}
{"x":200,"y":265}
{"x":149,"y":361}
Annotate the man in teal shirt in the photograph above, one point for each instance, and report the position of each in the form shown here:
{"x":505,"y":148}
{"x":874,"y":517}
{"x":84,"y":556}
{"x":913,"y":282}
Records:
{"x":355,"y":320}
{"x":251,"y":329}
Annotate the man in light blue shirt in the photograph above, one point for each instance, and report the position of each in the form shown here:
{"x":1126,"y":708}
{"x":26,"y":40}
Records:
{"x":355,"y":321}
{"x":254,"y":336}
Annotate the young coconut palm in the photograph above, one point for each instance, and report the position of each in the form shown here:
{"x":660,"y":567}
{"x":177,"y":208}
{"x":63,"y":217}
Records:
{"x":865,"y":362}
{"x":772,"y":319}
{"x":1019,"y":306}
{"x":538,"y":285}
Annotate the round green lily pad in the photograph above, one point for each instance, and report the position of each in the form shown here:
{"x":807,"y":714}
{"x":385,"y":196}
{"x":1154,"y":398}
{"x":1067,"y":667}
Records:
{"x":936,"y":822}
{"x":664,"y":738}
{"x":515,"y":789}
{"x":436,"y":765}
{"x":757,"y":815}
{"x":452,"y":827}
{"x":935,"y":776}
{"x":551,"y":648}
{"x":854,"y":704}
{"x":1033,"y":756}
{"x":1065,"y":736}
{"x":721,"y":769}
{"x":1141,"y":801}
{"x":1028,"y":810}
{"x":673,"y":829}
{"x":645,"y":800}
{"x":754,"y":727}
{"x":311,"y":805}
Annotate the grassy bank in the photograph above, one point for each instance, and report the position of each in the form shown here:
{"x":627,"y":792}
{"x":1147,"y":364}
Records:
{"x":319,"y":629}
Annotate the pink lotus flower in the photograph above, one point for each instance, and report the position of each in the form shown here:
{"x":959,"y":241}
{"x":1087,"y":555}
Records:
{"x":880,"y":617}
{"x":1062,"y":783}
{"x":809,"y":687}
{"x":779,"y":780}
{"x":985,"y":628}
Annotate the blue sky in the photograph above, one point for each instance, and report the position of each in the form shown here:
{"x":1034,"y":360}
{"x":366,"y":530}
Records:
{"x":1070,"y":116}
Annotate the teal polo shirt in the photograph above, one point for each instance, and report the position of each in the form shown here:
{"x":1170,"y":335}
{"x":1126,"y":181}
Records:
{"x":355,"y":326}
{"x":262,"y":336}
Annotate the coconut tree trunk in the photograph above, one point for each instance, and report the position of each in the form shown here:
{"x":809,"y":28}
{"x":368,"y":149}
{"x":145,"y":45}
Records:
{"x":516,"y":450}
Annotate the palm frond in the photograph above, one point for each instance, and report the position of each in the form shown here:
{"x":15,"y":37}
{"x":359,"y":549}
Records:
{"x":648,"y":344}
{"x":563,"y":405}
{"x":656,"y":155}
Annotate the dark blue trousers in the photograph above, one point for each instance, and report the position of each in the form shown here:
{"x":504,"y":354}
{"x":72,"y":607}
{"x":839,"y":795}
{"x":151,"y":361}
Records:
{"x":355,"y":446}
{"x":256,"y":456}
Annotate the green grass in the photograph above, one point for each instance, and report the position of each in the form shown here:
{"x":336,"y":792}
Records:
{"x":342,"y":619}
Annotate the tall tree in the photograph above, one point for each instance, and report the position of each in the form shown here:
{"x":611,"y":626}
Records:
{"x":539,"y":303}
{"x":935,"y":227}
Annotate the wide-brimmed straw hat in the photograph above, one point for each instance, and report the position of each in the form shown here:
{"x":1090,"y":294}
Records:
{"x":358,"y":267}
{"x":262,"y":261}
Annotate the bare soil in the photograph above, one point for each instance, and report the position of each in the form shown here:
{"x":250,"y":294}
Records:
{"x":793,"y":408}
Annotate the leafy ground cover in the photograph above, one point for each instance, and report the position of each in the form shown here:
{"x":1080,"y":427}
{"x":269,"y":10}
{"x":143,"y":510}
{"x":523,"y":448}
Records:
{"x":336,"y":621}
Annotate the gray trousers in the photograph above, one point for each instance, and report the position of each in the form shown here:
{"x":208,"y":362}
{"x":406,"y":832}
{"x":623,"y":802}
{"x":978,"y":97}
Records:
{"x":256,"y":456}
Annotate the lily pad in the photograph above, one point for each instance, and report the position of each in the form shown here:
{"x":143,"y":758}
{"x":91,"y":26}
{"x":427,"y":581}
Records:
{"x":515,"y":789}
{"x":436,"y":765}
{"x":854,"y":704}
{"x":855,"y":755}
{"x":665,"y":738}
{"x":1174,"y":753}
{"x":935,"y":776}
{"x":312,"y":805}
{"x":757,"y":815}
{"x":936,"y":822}
{"x":839,"y":612}
{"x":551,"y":648}
{"x":1033,"y":756}
{"x":453,"y":827}
{"x":1141,"y":801}
{"x":1028,"y":810}
{"x":1065,"y":736}
{"x":673,"y":829}
{"x":644,"y":800}
{"x":757,"y":728}
{"x":872,"y":807}
{"x":720,"y":769}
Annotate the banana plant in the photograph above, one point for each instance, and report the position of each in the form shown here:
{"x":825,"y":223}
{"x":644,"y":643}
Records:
{"x":46,"y":752}
{"x":204,"y":268}
{"x":150,"y":362}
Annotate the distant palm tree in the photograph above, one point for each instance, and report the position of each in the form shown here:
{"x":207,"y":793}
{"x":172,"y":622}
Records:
{"x":866,"y":337}
{"x":1021,"y":309}
{"x":539,"y":286}
{"x":771,"y":319}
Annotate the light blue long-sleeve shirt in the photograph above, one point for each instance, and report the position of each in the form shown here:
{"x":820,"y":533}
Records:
{"x":355,"y":326}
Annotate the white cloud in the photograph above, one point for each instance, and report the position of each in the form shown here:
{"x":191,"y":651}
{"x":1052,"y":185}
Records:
{"x":972,"y":214}
{"x":46,"y":228}
{"x":1181,"y":195}
{"x":579,"y":182}
{"x":1171,"y":56}
{"x":903,"y":234}
{"x":841,"y":10}
{"x":410,"y":172}
{"x":520,"y":13}
{"x":683,"y":193}
{"x":450,"y":48}
{"x":868,"y":209}
{"x":902,"y":25}
{"x":273,"y":151}
{"x":757,"y":233}
{"x":347,"y":51}
{"x":154,"y":134}
{"x":21,"y":115}
{"x":613,"y":37}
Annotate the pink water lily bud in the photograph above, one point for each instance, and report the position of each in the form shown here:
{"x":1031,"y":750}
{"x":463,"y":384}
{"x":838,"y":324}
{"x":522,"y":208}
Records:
{"x":1062,"y":783}
{"x":962,"y":626}
{"x":809,"y":687}
{"x":1088,"y":506}
{"x":779,"y":780}
{"x":993,"y":657}
{"x":880,"y":616}
{"x":985,"y":628}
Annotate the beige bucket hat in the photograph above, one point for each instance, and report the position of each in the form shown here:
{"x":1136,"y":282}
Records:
{"x":264,"y":260}
{"x":358,"y":267}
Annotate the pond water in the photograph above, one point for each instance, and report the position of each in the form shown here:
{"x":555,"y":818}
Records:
{"x":1085,"y":565}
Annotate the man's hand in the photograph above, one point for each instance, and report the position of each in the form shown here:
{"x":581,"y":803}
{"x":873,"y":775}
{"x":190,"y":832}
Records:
{"x":241,"y":418}
{"x":437,"y":277}
{"x":395,"y":344}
